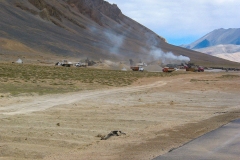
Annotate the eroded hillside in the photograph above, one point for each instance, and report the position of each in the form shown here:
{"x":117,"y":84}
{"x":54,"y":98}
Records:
{"x":84,"y":28}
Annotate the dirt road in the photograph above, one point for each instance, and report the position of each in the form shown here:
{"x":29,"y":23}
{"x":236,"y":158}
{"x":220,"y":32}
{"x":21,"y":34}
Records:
{"x":30,"y":104}
{"x":154,"y":113}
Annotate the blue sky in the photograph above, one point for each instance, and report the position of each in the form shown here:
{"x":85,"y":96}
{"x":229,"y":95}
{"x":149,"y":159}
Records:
{"x":182,"y":21}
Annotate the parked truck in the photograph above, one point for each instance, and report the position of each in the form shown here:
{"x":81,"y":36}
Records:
{"x":168,"y":69}
{"x":194,"y":68}
{"x":81,"y":64}
{"x":64,"y":63}
{"x":137,"y":68}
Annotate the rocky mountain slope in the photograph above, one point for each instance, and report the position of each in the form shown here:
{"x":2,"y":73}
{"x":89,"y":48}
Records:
{"x":45,"y":30}
{"x":223,"y":43}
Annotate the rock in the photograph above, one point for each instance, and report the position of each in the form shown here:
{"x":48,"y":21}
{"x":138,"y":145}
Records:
{"x":113,"y":133}
{"x":44,"y":14}
{"x":96,"y":9}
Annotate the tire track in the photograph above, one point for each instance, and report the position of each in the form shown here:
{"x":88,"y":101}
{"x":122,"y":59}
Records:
{"x":45,"y":102}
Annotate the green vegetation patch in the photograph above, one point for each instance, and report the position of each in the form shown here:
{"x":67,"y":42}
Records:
{"x":26,"y":78}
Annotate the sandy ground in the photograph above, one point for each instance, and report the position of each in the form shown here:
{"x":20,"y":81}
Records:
{"x":157,"y":115}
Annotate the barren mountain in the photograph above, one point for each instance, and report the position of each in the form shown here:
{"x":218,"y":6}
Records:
{"x":230,"y":52}
{"x":217,"y":37}
{"x":41,"y":30}
{"x":222,"y":43}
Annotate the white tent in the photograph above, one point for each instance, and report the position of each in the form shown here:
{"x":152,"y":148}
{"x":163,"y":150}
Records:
{"x":19,"y":61}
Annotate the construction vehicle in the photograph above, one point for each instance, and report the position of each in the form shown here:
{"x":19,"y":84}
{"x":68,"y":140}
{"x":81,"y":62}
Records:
{"x":138,"y":66}
{"x":194,"y":68}
{"x":81,"y":64}
{"x":168,"y":69}
{"x":200,"y":69}
{"x":64,"y":63}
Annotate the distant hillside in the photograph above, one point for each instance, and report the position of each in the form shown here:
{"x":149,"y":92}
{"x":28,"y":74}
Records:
{"x":222,"y":43}
{"x":217,"y":37}
{"x":43,"y":30}
{"x":228,"y":51}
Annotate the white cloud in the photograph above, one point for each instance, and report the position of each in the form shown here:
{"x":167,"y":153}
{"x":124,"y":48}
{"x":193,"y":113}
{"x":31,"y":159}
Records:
{"x":182,"y":18}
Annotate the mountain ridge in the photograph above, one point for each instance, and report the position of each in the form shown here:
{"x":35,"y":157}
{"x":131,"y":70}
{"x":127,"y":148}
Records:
{"x":217,"y":37}
{"x":86,"y":28}
{"x":222,"y":43}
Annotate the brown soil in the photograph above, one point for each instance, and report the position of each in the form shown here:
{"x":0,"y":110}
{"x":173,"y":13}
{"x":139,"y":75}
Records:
{"x":157,"y":115}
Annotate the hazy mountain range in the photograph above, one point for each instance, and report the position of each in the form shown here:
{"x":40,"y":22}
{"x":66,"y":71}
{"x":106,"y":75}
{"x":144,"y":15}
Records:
{"x":42,"y":30}
{"x":223,"y":43}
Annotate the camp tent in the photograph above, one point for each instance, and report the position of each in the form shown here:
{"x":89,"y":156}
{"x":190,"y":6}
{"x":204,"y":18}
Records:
{"x":19,"y":61}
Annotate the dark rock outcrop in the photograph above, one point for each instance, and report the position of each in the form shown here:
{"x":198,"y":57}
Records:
{"x":97,"y":9}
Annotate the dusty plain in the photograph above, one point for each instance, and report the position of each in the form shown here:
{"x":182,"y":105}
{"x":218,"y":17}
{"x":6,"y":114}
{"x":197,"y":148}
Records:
{"x":157,"y":114}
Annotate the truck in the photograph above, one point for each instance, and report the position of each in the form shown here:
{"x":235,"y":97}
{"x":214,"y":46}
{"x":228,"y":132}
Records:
{"x":81,"y":64}
{"x":200,"y":69}
{"x":194,"y":68}
{"x":137,"y":68}
{"x":168,"y":69}
{"x":64,"y":63}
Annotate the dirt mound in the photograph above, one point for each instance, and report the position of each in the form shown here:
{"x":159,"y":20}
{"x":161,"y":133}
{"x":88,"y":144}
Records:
{"x":153,"y":68}
{"x":112,"y":65}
